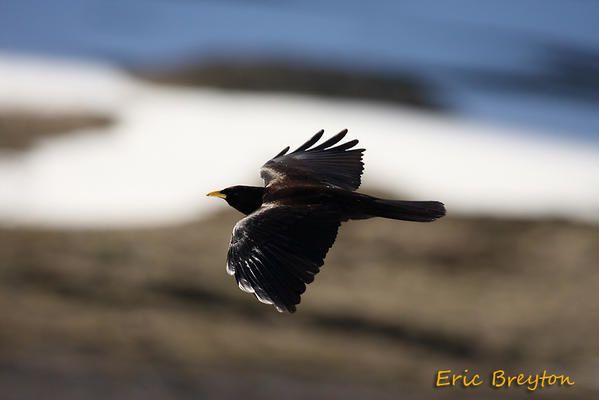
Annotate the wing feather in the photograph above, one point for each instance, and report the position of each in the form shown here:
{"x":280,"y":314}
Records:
{"x":332,"y":141}
{"x":277,"y":250}
{"x":339,"y":166}
{"x":310,"y":142}
{"x":283,"y":152}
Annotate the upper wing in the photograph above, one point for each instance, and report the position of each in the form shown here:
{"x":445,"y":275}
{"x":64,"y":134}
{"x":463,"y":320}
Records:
{"x":275,"y":251}
{"x":323,"y":164}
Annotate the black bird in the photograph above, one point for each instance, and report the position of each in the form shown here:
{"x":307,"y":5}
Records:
{"x":292,"y":222}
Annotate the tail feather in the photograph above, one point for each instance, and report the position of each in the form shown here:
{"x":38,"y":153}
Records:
{"x":419,"y":211}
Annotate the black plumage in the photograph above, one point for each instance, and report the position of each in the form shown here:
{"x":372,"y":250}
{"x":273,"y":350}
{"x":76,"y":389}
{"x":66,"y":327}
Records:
{"x":293,"y":220}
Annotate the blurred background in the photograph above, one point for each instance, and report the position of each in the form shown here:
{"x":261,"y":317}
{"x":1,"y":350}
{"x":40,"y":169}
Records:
{"x":117,"y":117}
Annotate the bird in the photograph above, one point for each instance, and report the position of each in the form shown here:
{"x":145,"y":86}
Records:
{"x":292,"y":221}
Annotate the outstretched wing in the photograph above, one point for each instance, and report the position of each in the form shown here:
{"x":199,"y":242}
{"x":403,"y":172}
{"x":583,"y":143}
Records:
{"x":324,"y":164}
{"x":277,"y":250}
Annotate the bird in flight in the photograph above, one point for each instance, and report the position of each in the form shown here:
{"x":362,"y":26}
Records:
{"x":292,"y":222}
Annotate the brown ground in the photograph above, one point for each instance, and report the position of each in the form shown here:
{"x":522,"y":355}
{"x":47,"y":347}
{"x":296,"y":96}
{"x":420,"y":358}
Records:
{"x":20,"y":129}
{"x":151,"y":314}
{"x":292,"y":78}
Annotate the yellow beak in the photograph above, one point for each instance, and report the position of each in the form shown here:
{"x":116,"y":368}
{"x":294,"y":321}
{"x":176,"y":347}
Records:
{"x":217,"y":194}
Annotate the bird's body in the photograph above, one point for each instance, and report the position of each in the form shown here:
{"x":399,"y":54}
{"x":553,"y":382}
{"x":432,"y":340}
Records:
{"x":292,"y":222}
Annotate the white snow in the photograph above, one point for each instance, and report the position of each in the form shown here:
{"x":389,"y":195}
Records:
{"x":170,"y":146}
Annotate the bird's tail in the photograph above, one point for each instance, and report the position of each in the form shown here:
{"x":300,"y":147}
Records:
{"x":420,"y":211}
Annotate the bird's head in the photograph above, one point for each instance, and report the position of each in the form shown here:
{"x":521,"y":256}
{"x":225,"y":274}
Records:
{"x":245,"y":199}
